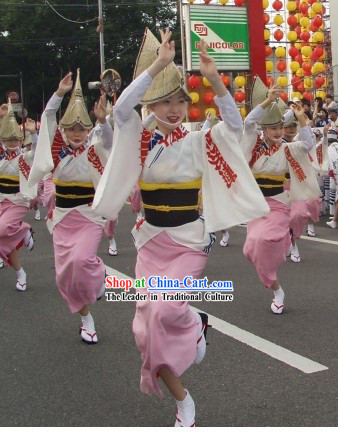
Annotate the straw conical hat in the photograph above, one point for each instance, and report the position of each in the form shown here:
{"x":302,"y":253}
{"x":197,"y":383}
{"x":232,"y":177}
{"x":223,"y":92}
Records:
{"x":289,"y":118}
{"x":9,"y":127}
{"x":76,"y":112}
{"x":167,"y":82}
{"x":272,"y":115}
{"x":259,"y":92}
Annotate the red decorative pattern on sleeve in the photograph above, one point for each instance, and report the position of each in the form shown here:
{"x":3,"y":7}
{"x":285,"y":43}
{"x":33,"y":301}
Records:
{"x":295,"y":165}
{"x":319,"y":152}
{"x":144,"y":147}
{"x":58,"y":144}
{"x":215,"y":158}
{"x":95,"y":160}
{"x":24,"y":167}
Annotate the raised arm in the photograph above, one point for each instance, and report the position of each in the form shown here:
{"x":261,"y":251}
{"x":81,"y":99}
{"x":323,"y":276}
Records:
{"x":305,"y":133}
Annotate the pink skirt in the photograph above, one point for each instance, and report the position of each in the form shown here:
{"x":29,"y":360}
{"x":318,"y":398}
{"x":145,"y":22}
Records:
{"x":267,"y":241}
{"x":165,"y":332}
{"x":136,"y":199}
{"x":49,"y":195}
{"x":109,"y":228}
{"x":301,"y":212}
{"x":79,"y":271}
{"x":12,"y":227}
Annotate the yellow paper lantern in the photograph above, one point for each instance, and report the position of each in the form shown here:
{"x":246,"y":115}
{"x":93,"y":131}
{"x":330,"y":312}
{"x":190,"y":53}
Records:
{"x":313,"y":71}
{"x":321,"y":94}
{"x":300,"y":73}
{"x":317,"y":7}
{"x":298,"y":16}
{"x":312,"y":13}
{"x":308,"y":82}
{"x":265,"y":4}
{"x":282,"y":81}
{"x":292,"y":36}
{"x":319,"y":66}
{"x":291,"y":6}
{"x":306,"y":51}
{"x":267,"y":34}
{"x":278,"y":20}
{"x":296,"y":95}
{"x":280,"y":52}
{"x":212,"y":111}
{"x":269,"y":66}
{"x":298,"y":45}
{"x":243,"y":112}
{"x":195,"y":97}
{"x":240,"y":81}
{"x":294,"y":66}
{"x":318,"y":36}
{"x":304,"y":21}
{"x":191,"y":1}
{"x":223,"y":2}
{"x":206,"y":82}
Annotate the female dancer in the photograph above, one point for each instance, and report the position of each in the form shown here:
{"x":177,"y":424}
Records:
{"x":15,"y":195}
{"x":173,"y":165}
{"x":270,"y":159}
{"x":77,"y":164}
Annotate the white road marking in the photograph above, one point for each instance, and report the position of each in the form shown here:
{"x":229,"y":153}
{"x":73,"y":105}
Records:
{"x":275,"y":351}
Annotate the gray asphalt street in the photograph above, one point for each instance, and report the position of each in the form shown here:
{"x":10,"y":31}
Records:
{"x":48,"y":377}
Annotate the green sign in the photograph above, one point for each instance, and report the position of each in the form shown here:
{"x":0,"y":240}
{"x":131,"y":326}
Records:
{"x":224,"y":29}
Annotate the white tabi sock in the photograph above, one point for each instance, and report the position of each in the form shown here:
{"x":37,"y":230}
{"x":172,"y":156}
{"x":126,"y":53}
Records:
{"x":88,"y":323}
{"x":279,"y":296}
{"x":112,"y":243}
{"x":21,"y":274}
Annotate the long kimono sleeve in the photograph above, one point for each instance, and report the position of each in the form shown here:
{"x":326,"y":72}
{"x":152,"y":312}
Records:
{"x":230,"y":193}
{"x":43,"y":162}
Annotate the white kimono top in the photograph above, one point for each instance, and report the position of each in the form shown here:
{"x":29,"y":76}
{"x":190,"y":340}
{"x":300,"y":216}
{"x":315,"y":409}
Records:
{"x":230,"y":193}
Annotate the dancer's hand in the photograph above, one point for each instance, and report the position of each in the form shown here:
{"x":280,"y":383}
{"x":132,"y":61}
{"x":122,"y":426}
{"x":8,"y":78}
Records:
{"x":3,"y":110}
{"x":208,"y":66}
{"x":30,"y":126}
{"x":66,"y":84}
{"x":166,"y":54}
{"x":100,"y":109}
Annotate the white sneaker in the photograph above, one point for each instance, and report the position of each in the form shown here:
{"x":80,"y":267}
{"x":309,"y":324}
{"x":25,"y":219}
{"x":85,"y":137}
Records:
{"x":37,"y":215}
{"x":295,"y":257}
{"x":2,"y":264}
{"x":332,"y":224}
{"x":185,"y":412}
{"x":276,"y":309}
{"x":310,"y":230}
{"x":21,"y":285}
{"x":112,"y":250}
{"x":225,"y":239}
{"x":28,"y":240}
{"x":201,"y":342}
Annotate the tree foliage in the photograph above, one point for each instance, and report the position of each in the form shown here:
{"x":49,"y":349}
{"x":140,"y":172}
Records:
{"x":44,"y":46}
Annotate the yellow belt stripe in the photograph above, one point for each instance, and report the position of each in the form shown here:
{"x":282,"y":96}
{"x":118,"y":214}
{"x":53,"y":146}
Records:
{"x":73,"y":196}
{"x":271,"y":186}
{"x":66,"y":184}
{"x":193,"y":184}
{"x":10,"y":185}
{"x":272,"y":177}
{"x":165,"y":208}
{"x":4,"y":177}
